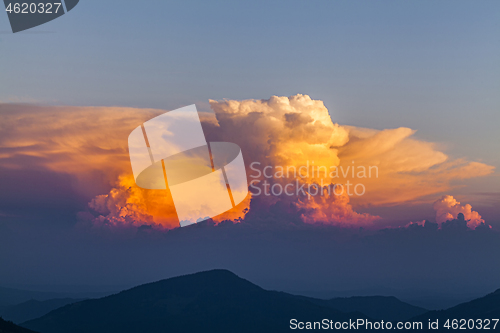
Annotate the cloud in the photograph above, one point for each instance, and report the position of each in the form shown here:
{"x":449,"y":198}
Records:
{"x":89,"y":145}
{"x":298,"y":131}
{"x":81,"y":141}
{"x":408,"y":168}
{"x":448,"y":208}
{"x":85,"y":146}
{"x":288,"y":132}
{"x":279,"y":131}
{"x":333,"y":209}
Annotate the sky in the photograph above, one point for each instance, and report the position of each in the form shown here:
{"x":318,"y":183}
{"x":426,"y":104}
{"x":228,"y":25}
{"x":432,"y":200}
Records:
{"x":413,"y":83}
{"x":427,"y":66}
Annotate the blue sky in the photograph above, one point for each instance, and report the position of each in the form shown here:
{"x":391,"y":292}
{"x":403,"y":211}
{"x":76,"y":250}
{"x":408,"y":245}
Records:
{"x":432,"y":66}
{"x":428,"y":65}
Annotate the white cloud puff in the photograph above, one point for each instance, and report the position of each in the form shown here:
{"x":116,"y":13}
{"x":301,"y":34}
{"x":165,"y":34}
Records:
{"x":447,"y":208}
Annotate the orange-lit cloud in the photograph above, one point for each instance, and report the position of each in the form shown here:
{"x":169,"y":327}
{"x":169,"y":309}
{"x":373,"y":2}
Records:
{"x":409,"y":168}
{"x":90,"y":144}
{"x":87,"y":142}
{"x":447,"y":208}
{"x":298,"y":131}
{"x":333,"y":209}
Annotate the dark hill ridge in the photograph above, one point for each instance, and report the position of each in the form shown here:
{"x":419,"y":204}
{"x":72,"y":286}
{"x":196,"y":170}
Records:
{"x":219,"y":301}
{"x":213,"y":301}
{"x":377,"y":307}
{"x":9,"y":296}
{"x":9,"y":327}
{"x":385,"y":308}
{"x":487,"y":307}
{"x":33,"y":309}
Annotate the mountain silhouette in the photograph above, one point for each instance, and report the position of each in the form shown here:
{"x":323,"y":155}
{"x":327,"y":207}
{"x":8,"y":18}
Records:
{"x":33,"y":309}
{"x":487,"y":307}
{"x":10,"y":296}
{"x":213,"y":301}
{"x":219,"y":301}
{"x":376,"y":307}
{"x":10,"y":327}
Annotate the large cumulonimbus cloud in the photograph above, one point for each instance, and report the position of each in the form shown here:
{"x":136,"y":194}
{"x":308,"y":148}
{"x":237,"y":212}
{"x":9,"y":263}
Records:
{"x":90,"y":146}
{"x":298,"y":131}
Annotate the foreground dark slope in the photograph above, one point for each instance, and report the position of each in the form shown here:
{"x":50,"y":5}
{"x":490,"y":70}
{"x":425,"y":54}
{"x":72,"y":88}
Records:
{"x":9,"y":327}
{"x":214,"y":301}
{"x":487,"y":307}
{"x":385,"y":308}
{"x":377,"y":307}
